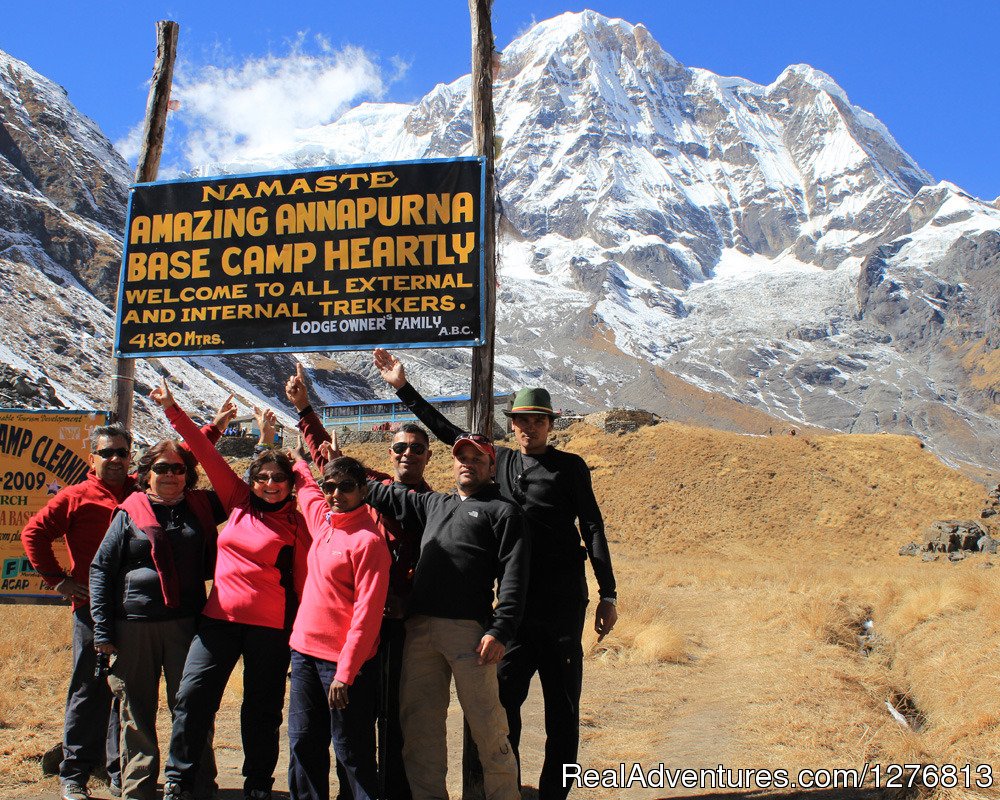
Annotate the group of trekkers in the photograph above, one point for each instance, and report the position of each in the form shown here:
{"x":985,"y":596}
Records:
{"x":375,"y":591}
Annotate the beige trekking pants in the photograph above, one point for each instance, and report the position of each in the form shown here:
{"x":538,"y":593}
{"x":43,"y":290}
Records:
{"x":435,"y":650}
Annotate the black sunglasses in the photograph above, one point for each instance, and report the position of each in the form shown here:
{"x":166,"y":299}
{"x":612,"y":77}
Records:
{"x":162,"y":468}
{"x":417,"y":448}
{"x":346,"y":487}
{"x":111,"y":452}
{"x":273,"y":477}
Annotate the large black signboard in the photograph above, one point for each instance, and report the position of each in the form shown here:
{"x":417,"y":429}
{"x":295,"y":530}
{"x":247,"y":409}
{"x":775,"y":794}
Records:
{"x":332,"y":259}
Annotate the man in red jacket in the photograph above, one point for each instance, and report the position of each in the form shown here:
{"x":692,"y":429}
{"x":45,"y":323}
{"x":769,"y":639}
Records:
{"x":81,"y":514}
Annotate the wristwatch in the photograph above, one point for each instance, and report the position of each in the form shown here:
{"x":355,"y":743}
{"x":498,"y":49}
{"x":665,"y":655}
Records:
{"x":612,"y":600}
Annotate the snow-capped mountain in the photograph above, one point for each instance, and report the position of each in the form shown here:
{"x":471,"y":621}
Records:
{"x":770,"y":243}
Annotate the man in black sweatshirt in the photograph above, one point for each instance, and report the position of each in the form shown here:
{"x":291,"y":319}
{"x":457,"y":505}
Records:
{"x":554,"y":491}
{"x":470,"y":539}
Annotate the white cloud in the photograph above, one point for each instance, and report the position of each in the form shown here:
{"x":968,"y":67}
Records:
{"x":264,"y":106}
{"x":130,"y":144}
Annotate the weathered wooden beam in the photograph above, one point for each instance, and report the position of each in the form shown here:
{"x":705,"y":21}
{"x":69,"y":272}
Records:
{"x":483,"y":133}
{"x":154,"y":128}
{"x":481,"y":404}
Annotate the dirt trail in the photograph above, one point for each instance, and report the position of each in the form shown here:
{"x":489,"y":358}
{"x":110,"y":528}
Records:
{"x":629,"y":714}
{"x":674,"y":713}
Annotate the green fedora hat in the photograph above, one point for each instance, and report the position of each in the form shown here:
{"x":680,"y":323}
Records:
{"x":532,"y":401}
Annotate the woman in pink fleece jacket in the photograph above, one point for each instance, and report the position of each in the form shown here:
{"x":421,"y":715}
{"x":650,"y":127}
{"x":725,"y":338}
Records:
{"x":259,"y":575}
{"x":334,"y":677}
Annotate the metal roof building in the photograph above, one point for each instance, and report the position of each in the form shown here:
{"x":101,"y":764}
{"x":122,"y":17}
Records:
{"x":366,"y":415}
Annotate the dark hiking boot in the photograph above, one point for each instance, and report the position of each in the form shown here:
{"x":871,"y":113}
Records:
{"x":74,"y":791}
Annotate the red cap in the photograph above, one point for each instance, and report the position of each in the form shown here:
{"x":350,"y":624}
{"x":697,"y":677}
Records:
{"x":477,"y":440}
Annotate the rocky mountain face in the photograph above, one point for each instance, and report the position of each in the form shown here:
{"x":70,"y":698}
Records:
{"x":772,"y":244}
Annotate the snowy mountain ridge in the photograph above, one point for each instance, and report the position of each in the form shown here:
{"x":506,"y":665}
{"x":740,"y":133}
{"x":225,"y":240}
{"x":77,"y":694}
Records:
{"x":772,"y":243}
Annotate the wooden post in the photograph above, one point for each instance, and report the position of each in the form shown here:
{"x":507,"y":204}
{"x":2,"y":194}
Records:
{"x":483,"y":130}
{"x":123,"y":387}
{"x":481,"y":405}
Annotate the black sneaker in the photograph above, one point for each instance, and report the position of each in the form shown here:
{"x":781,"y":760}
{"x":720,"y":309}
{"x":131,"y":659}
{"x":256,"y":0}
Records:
{"x":74,"y":791}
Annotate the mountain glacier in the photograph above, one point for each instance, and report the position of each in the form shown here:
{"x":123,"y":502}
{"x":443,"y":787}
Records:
{"x":773,"y":244}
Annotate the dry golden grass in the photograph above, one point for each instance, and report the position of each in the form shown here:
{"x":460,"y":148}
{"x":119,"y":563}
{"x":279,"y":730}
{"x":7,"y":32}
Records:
{"x":746,"y":567}
{"x":35,"y":654}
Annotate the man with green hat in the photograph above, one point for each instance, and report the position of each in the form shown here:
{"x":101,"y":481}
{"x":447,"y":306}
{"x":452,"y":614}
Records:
{"x":553,"y":489}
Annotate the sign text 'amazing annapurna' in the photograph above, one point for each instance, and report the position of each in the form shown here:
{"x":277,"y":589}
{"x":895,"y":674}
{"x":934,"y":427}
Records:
{"x":344,"y":258}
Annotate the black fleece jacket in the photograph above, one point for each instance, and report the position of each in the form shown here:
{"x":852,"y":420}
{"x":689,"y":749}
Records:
{"x":466,"y":546}
{"x":124,"y":583}
{"x":553,"y":490}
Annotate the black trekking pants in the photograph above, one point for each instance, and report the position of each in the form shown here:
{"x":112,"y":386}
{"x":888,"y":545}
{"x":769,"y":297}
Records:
{"x":549,"y":643}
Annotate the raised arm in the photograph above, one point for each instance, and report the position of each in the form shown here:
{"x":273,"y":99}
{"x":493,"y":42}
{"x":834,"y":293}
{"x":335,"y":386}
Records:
{"x":322,"y":446}
{"x":267,"y":424}
{"x":217,"y":427}
{"x":399,"y":502}
{"x":310,"y":425}
{"x":392,"y":371}
{"x":311,"y":500}
{"x":227,"y":413}
{"x":227,"y":484}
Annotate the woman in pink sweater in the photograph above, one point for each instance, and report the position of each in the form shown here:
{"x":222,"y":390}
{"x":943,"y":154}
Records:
{"x":259,"y":574}
{"x":334,"y":677}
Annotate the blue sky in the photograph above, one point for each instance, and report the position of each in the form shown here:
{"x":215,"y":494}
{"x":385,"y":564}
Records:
{"x":928,"y":70}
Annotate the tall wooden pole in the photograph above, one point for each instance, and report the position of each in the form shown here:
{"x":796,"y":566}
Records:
{"x":483,"y":130}
{"x":481,"y":405}
{"x":123,"y":387}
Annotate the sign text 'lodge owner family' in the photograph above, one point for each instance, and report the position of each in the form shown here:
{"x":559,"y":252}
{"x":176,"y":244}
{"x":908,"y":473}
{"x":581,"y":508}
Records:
{"x":339,"y":258}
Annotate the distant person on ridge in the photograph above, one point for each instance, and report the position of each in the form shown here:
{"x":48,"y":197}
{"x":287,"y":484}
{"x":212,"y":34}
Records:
{"x":81,"y":514}
{"x":554,"y":490}
{"x":409,"y":453}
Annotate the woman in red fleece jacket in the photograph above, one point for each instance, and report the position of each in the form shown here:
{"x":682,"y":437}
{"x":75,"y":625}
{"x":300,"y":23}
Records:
{"x":334,"y":677}
{"x":259,"y":573}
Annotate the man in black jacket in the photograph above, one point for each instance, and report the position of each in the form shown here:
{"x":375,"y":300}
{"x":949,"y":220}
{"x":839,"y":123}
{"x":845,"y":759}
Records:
{"x":470,"y":539}
{"x":553,"y":489}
